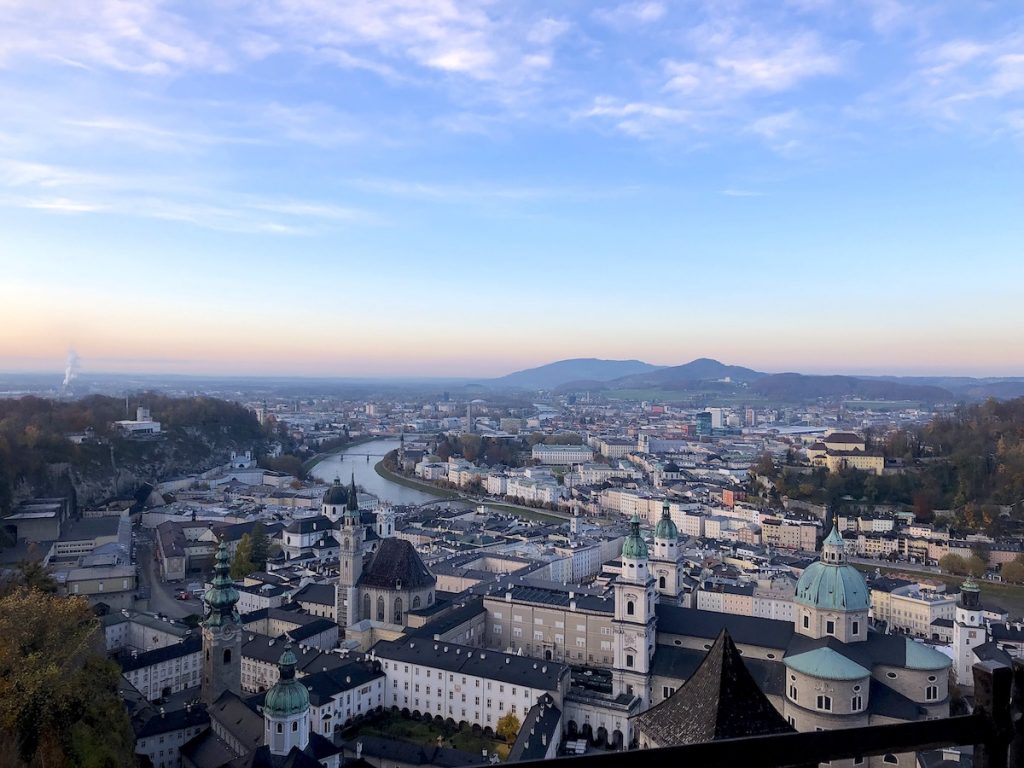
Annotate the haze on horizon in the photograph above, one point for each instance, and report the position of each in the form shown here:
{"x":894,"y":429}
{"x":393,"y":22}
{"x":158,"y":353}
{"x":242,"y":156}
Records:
{"x":448,"y":188}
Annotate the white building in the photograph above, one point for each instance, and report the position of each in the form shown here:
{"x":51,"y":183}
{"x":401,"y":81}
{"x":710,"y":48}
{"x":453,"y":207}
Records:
{"x":562,"y":454}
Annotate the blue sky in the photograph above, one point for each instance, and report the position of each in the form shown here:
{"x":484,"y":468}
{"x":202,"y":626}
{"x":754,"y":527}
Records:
{"x":436,"y":187}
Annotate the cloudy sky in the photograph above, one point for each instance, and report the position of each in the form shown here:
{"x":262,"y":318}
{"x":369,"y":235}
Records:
{"x":445,"y":187}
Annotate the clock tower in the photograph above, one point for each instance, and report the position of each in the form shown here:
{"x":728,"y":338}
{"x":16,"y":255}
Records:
{"x":222,"y":636}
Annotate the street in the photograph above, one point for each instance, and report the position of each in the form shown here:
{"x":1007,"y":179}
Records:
{"x":161,"y":596}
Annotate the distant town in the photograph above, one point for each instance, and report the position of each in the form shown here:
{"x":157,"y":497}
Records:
{"x":462,"y":578}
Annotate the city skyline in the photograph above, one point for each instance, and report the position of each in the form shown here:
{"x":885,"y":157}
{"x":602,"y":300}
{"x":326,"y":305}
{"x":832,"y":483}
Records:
{"x":413,"y":188}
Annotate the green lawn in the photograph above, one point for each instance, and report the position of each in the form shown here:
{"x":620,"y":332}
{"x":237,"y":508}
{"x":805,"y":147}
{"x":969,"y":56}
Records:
{"x":392,"y":725}
{"x":1008,"y":596}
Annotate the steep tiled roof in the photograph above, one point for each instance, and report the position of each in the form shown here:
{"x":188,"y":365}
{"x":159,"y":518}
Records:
{"x":397,"y":565}
{"x":720,"y":701}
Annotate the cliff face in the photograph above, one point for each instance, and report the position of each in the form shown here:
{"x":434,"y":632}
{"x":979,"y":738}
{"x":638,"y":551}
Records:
{"x":37,"y":459}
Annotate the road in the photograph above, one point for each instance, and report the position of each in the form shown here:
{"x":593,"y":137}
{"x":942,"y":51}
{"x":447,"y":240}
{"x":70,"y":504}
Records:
{"x":161,"y":596}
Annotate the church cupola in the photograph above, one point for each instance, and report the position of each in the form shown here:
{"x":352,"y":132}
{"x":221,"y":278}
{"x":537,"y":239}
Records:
{"x":221,"y":598}
{"x":832,"y":598}
{"x":634,"y":554}
{"x":970,"y":595}
{"x":286,"y":709}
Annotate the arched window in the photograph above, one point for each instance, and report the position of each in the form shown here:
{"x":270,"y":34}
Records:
{"x":430,"y":598}
{"x":295,"y":726}
{"x":280,"y":727}
{"x":366,"y":606}
{"x":661,"y":582}
{"x":630,"y":608}
{"x":398,"y":610}
{"x":891,"y":759}
{"x":227,"y":655}
{"x":380,"y":609}
{"x":416,"y":602}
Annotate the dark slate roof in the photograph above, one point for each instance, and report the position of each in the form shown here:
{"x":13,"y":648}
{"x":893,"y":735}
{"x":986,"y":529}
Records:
{"x":990,"y":651}
{"x":323,"y":686}
{"x":153,"y":723}
{"x":541,"y":727}
{"x":888,"y":650}
{"x":681,"y":663}
{"x":321,"y":594}
{"x":1012,"y":633}
{"x":559,"y":597}
{"x":310,"y":525}
{"x":243,"y":723}
{"x":745,"y":630}
{"x":395,"y":563}
{"x":478,"y":662}
{"x":884,"y":701}
{"x":191,"y":644}
{"x":450,"y":620}
{"x":312,"y":629}
{"x":720,"y":700}
{"x":397,"y":751}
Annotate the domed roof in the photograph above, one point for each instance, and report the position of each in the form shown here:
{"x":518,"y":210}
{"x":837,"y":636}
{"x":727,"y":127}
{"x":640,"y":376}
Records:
{"x":634,"y":547}
{"x":831,"y":583}
{"x":666,"y":529}
{"x":336,"y":494}
{"x":287,"y":696}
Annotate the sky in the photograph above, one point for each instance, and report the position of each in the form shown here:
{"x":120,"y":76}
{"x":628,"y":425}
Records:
{"x":457,"y":188}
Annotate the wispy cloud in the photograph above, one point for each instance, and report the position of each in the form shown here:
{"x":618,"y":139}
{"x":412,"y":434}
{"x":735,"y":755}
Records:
{"x":631,"y":13}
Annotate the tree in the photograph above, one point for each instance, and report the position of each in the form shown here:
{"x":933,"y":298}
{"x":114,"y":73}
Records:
{"x":976,"y":566}
{"x":243,"y":564}
{"x":59,"y":702}
{"x":508,"y":727}
{"x":953,"y":564}
{"x":259,"y":547}
{"x":1012,"y":572}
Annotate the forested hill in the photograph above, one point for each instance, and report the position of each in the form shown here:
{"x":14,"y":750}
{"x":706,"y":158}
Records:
{"x":37,"y":458}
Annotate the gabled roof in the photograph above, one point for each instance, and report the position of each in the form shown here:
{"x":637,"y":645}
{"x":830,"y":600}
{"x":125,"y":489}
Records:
{"x":720,"y":701}
{"x":397,"y":565}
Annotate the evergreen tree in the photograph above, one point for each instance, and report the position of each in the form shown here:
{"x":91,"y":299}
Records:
{"x":260,"y":547}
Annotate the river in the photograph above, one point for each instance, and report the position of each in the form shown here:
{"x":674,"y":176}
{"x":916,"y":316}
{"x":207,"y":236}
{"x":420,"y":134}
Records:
{"x":353,"y":459}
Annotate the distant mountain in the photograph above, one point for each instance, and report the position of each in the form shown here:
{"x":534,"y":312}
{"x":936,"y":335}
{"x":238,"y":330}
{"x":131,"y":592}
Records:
{"x":701,"y":369}
{"x":800,"y":387}
{"x":555,"y":374}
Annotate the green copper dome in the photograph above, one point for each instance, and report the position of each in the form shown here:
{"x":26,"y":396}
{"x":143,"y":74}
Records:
{"x":634,"y":547}
{"x":222,"y":597}
{"x":666,"y":529}
{"x":287,"y":696}
{"x":831,"y":583}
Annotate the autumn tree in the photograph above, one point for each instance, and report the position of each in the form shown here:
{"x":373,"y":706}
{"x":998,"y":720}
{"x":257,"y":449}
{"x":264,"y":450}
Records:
{"x":1013,"y":571}
{"x":508,"y":727}
{"x":242,"y":564}
{"x":953,"y":564}
{"x":59,"y":702}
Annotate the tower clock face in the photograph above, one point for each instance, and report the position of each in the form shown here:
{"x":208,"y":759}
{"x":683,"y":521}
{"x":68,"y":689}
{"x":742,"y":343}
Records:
{"x":229,"y":632}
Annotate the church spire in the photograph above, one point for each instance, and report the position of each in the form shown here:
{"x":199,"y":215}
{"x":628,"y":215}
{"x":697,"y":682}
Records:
{"x":221,"y":598}
{"x":353,"y":495}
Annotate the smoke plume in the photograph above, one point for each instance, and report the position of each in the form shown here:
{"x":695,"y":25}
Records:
{"x":71,"y":369}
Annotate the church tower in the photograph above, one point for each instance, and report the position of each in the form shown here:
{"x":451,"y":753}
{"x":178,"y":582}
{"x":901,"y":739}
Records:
{"x":350,"y":561}
{"x":969,"y":631}
{"x":667,"y":563}
{"x":634,"y":620}
{"x":222,"y":637}
{"x":286,"y":709}
{"x":385,"y":521}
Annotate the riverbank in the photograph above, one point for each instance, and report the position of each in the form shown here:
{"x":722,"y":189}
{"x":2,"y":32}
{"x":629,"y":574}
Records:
{"x":433,"y":490}
{"x":527,"y":512}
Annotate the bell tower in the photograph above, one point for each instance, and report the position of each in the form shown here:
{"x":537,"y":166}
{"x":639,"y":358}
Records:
{"x":222,"y":636}
{"x":350,"y":562}
{"x":969,"y":631}
{"x":635,"y":618}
